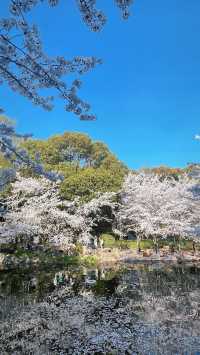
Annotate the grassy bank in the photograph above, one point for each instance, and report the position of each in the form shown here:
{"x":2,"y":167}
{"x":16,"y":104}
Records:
{"x":113,"y":252}
{"x":110,"y":242}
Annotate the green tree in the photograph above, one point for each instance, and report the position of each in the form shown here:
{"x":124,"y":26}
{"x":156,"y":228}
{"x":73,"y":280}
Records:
{"x":88,"y":183}
{"x":72,"y":147}
{"x":99,"y":152}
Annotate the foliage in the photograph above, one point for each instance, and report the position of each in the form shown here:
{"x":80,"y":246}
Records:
{"x":5,"y":190}
{"x":69,"y":147}
{"x":78,"y":249}
{"x":4,"y":163}
{"x":48,"y":258}
{"x":88,"y":183}
{"x":72,"y":147}
{"x":88,"y":261}
{"x":193,"y":170}
{"x":38,"y":216}
{"x":164,"y":172}
{"x":153,"y":207}
{"x":99,"y":152}
{"x":88,"y":167}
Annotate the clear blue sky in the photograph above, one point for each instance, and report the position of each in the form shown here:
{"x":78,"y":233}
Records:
{"x":146,"y":94}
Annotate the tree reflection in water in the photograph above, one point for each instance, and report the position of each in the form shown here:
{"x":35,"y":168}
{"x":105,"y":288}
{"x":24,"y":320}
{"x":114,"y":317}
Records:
{"x":157,"y":305}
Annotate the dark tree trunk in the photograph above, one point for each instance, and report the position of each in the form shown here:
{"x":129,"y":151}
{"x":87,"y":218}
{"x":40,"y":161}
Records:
{"x":138,"y":245}
{"x":194,"y":247}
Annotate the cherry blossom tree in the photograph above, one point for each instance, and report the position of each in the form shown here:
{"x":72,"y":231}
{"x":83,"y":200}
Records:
{"x":160,"y":208}
{"x":194,"y":171}
{"x":36,"y":214}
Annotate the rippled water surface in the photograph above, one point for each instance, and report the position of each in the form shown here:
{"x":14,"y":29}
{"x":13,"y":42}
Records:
{"x":159,"y":305}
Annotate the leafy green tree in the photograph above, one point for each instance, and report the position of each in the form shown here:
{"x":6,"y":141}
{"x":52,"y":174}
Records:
{"x":88,"y":167}
{"x":68,"y":147}
{"x":65,"y":169}
{"x":99,"y":152}
{"x":42,"y":151}
{"x":72,"y":147}
{"x":114,"y":165}
{"x":88,"y":183}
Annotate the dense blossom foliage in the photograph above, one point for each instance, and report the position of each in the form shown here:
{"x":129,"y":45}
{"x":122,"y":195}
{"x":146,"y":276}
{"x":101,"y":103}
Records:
{"x":194,"y":171}
{"x":27,"y":69}
{"x":36,"y":215}
{"x":155,"y":207}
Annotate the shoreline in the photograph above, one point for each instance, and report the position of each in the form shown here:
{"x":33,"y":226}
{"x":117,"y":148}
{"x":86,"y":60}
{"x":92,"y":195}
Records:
{"x":132,"y":257}
{"x":100,"y":258}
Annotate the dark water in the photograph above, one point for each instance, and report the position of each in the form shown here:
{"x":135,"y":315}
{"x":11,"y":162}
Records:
{"x":165,"y":297}
{"x":21,"y":288}
{"x":18,"y":289}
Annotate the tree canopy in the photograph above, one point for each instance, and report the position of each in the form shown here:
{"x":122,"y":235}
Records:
{"x":88,"y":167}
{"x":160,"y":207}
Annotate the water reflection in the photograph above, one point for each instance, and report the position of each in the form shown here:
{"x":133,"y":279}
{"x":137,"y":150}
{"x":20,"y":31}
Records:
{"x":153,"y":293}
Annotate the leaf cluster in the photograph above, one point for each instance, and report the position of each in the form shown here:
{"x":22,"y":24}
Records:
{"x":88,"y":167}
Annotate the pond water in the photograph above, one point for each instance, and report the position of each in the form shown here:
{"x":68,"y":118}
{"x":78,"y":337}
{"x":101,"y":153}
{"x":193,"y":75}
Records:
{"x":159,"y":304}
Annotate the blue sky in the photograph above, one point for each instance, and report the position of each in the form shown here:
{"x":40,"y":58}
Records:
{"x":147,"y":92}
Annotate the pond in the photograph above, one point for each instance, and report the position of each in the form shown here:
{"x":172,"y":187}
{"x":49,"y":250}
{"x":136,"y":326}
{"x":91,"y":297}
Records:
{"x":134,"y":309}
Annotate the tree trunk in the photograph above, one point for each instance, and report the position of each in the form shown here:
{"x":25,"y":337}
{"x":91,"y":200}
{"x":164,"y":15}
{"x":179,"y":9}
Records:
{"x":155,"y":241}
{"x":138,"y":245}
{"x":179,"y":245}
{"x":194,"y":247}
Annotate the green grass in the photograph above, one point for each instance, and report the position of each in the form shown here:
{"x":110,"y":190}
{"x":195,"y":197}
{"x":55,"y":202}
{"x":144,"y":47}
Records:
{"x":110,"y":242}
{"x":89,"y":261}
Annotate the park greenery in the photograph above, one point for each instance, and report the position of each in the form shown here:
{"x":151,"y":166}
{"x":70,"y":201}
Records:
{"x":87,"y":168}
{"x":92,"y":194}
